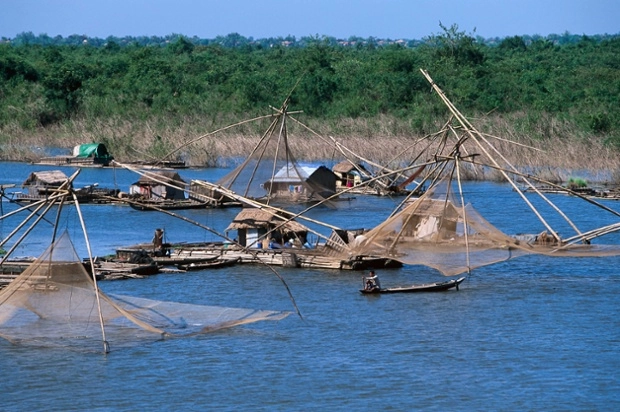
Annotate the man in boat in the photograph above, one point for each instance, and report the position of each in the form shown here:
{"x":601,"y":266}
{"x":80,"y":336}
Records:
{"x":372,"y":281}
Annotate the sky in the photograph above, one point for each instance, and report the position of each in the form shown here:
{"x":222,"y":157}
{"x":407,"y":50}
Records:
{"x":384,"y":19}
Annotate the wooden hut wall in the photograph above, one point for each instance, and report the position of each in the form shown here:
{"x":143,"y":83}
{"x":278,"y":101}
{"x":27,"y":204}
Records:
{"x":349,"y":174}
{"x":167,"y":192}
{"x":151,"y":189}
{"x":205,"y":194}
{"x":348,"y":179}
{"x":39,"y":183}
{"x":144,"y":191}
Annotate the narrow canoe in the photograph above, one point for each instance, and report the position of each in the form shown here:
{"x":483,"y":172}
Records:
{"x":426,"y":287}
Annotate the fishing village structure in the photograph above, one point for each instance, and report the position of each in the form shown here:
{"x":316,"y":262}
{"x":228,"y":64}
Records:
{"x":435,"y":228}
{"x":350,"y":174}
{"x":42,"y":184}
{"x":163,"y":185}
{"x":260,"y":229}
{"x":264,"y":235}
{"x":84,"y":155}
{"x":301,"y":183}
{"x":55,"y":296}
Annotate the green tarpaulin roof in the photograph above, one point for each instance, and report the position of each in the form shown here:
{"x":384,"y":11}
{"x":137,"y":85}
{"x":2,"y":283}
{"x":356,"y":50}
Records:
{"x":91,"y":149}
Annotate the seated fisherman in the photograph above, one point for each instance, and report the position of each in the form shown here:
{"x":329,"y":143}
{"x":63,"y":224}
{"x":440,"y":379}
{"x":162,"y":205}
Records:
{"x":372,"y":281}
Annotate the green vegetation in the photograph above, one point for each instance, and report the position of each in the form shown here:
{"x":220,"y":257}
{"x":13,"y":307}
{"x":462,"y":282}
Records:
{"x":113,"y":91}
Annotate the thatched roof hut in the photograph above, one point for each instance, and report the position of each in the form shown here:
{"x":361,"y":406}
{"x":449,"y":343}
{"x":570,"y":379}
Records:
{"x":44,"y":182}
{"x":253,"y":224}
{"x":50,"y":178}
{"x":350,"y":174}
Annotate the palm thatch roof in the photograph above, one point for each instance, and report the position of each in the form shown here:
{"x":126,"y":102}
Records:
{"x":258,"y":218}
{"x":49,"y":178}
{"x":346,"y":166}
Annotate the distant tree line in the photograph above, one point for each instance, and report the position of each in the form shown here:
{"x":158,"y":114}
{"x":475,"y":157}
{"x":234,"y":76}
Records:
{"x":235,"y":40}
{"x":46,"y":81}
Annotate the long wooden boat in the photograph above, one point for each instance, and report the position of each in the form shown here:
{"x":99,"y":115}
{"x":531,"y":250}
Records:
{"x":219,"y":263}
{"x":168,"y":205}
{"x":176,"y":260}
{"x":425,"y":287}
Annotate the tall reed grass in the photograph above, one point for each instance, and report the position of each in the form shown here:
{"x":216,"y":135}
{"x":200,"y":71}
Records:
{"x":561,"y":152}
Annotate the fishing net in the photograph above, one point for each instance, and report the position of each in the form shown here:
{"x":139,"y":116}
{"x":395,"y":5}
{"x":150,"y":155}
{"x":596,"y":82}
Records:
{"x":431,"y":231}
{"x":272,"y":175}
{"x":437,"y":231}
{"x":56,"y":302}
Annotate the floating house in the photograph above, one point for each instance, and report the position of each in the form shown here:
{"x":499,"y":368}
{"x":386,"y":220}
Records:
{"x":202,"y":193}
{"x":41,"y":184}
{"x":90,"y":154}
{"x":252,"y":226}
{"x":349,"y":174}
{"x":301,"y":183}
{"x":95,"y":151}
{"x":164,"y":185}
{"x":355,"y":178}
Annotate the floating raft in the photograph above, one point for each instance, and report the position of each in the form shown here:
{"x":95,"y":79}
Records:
{"x":317,"y":258}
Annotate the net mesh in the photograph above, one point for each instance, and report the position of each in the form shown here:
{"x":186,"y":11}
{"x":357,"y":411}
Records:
{"x":437,"y":231}
{"x":271,"y":174}
{"x":54,"y":302}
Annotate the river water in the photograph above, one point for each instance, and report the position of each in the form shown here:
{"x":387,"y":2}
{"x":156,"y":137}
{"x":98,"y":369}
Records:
{"x":534,"y":333}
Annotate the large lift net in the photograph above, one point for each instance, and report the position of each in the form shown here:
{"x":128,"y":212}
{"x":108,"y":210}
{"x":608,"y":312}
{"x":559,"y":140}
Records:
{"x":56,"y":302}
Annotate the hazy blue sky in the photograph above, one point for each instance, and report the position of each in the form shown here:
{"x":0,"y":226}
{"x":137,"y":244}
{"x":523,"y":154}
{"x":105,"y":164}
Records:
{"x":411,"y":19}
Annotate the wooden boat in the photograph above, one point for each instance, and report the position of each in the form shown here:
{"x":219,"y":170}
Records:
{"x":147,"y":205}
{"x":219,"y":263}
{"x":118,"y":270}
{"x":159,"y":164}
{"x":175,"y":260}
{"x":425,"y":287}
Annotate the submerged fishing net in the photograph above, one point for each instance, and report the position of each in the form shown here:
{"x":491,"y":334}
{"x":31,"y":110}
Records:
{"x":435,"y":230}
{"x":55,"y":302}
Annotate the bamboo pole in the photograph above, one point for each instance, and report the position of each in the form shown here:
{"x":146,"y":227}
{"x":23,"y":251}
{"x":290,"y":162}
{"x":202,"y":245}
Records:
{"x":266,"y":135}
{"x":594,"y":233}
{"x":268,"y":208}
{"x":468,"y":129}
{"x":244,"y":248}
{"x":31,"y":205}
{"x":106,"y":345}
{"x":275,"y":159}
{"x":23,"y":223}
{"x":59,"y":193}
{"x":546,"y":182}
{"x":215,"y":132}
{"x":28,"y":230}
{"x":465,"y":228}
{"x":265,"y":144}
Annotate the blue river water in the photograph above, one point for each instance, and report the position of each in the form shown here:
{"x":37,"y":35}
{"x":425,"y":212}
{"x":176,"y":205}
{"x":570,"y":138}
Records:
{"x":533,"y":333}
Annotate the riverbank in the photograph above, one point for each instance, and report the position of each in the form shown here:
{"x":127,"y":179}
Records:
{"x":555,"y":154}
